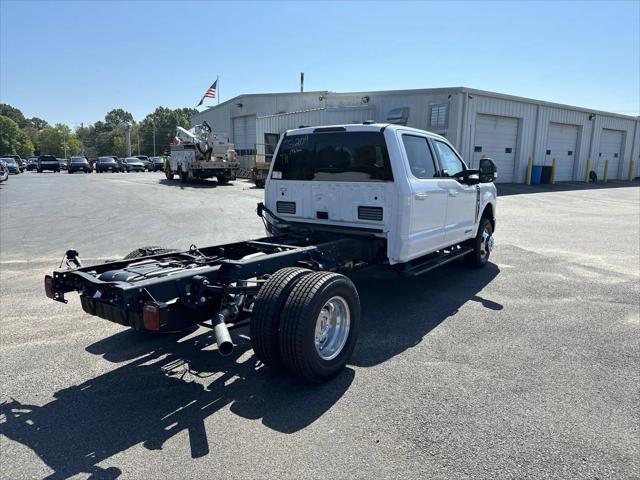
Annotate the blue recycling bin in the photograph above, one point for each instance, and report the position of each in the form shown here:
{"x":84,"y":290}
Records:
{"x":536,"y":174}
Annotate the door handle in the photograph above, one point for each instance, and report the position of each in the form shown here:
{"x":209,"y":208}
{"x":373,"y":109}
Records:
{"x":453,"y":193}
{"x":421,"y":196}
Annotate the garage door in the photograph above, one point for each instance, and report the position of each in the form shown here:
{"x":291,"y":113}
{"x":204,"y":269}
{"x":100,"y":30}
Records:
{"x":610,"y":149}
{"x":496,"y":138}
{"x":561,"y":145}
{"x":244,"y":134}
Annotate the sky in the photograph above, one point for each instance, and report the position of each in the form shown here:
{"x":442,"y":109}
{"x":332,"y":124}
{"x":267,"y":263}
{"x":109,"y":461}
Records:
{"x":71,"y":62}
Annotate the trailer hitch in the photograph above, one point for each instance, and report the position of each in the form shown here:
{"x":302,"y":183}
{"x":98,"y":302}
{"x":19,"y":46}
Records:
{"x":72,"y":259}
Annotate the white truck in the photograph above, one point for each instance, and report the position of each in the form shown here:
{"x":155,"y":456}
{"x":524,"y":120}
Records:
{"x":337,"y":198}
{"x":199,"y":153}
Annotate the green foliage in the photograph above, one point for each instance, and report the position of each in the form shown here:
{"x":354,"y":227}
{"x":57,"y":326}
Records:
{"x":59,"y":141}
{"x":102,"y":138}
{"x":14,"y":140}
{"x":117,"y":117}
{"x":166,"y":121}
{"x":14,"y":114}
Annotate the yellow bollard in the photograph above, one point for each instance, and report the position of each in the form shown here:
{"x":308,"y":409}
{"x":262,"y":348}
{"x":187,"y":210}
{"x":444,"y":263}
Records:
{"x":529,"y":167}
{"x":606,"y":171}
{"x":586,"y":174}
{"x":631,"y":170}
{"x":553,"y":171}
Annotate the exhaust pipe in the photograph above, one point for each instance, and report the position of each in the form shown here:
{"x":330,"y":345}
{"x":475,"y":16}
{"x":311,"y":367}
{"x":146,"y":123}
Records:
{"x":223,"y":338}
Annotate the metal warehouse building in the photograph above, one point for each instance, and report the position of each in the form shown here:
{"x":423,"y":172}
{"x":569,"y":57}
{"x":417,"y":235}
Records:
{"x":506,"y":128}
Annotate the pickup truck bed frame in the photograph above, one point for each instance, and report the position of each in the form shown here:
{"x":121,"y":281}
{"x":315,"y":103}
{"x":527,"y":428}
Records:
{"x":166,"y":290}
{"x":190,"y":286}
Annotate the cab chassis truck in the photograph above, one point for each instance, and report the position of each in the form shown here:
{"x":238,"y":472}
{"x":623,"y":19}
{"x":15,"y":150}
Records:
{"x":337,"y":199}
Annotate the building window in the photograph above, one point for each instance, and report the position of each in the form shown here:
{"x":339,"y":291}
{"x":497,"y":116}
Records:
{"x":270,"y":144}
{"x":439,"y":116}
{"x":398,"y":116}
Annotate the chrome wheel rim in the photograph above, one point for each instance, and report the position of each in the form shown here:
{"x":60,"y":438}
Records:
{"x":486,"y":244}
{"x":332,"y":328}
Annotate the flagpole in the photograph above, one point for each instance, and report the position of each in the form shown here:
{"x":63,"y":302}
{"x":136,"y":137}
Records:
{"x":218,"y":85}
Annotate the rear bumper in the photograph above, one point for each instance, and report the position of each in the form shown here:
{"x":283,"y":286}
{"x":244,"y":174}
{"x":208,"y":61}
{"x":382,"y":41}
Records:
{"x":172,"y":317}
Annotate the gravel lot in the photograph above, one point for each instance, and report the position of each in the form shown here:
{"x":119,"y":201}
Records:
{"x":527,"y":368}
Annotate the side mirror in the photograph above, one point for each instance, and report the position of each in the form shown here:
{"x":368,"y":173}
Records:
{"x":488,"y":170}
{"x":472,"y":179}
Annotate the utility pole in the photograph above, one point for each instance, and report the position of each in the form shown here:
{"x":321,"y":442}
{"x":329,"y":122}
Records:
{"x":82,"y":141}
{"x":301,"y":82}
{"x":153,"y":122}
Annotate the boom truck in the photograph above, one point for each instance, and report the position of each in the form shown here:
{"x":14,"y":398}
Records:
{"x":200,"y":153}
{"x":336,"y":199}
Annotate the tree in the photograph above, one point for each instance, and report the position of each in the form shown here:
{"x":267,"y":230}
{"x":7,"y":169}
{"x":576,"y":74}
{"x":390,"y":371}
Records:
{"x":14,"y":114}
{"x":37,"y":123}
{"x":13,"y":140}
{"x":166,"y":121}
{"x":34,"y":126}
{"x":58,"y":141}
{"x":117,"y":117}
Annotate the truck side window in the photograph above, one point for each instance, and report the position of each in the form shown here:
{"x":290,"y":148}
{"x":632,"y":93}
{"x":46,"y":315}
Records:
{"x":419,"y":156}
{"x":450,"y":163}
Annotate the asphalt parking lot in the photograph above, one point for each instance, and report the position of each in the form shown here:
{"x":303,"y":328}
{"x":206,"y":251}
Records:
{"x":526,"y":368}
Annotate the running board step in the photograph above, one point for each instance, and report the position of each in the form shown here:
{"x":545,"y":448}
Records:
{"x":435,"y":262}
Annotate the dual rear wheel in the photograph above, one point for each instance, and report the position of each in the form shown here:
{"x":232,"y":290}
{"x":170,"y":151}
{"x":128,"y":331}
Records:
{"x":306,"y":322}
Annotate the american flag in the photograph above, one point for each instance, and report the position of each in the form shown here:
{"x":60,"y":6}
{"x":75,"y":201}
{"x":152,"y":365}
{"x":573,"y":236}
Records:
{"x":210,"y":93}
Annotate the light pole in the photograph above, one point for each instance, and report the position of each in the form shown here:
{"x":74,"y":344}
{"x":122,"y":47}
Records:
{"x":153,"y":122}
{"x":127,"y":135}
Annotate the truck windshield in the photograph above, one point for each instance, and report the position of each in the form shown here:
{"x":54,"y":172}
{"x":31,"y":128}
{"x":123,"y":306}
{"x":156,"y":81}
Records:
{"x":333,"y":157}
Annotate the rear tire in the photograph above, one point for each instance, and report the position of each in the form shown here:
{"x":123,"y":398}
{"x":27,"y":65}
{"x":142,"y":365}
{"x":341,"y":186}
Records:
{"x":319,"y":326}
{"x":265,"y":316}
{"x":482,"y":245}
{"x":146,"y":251}
{"x":222,"y":179}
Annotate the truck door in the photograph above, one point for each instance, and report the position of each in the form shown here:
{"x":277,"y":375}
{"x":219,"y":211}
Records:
{"x":462,"y":199}
{"x":428,"y":202}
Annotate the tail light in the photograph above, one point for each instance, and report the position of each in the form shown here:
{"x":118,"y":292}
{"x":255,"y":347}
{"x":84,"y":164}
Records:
{"x":48,"y":286}
{"x":151,"y":316}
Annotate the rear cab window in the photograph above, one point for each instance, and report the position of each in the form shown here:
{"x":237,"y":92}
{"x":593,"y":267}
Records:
{"x":333,"y":157}
{"x":419,"y":156}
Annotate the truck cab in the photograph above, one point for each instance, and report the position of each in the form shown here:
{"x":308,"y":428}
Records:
{"x":406,"y":185}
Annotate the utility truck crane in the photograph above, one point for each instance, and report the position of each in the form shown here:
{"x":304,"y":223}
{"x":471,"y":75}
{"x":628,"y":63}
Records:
{"x":200,"y":153}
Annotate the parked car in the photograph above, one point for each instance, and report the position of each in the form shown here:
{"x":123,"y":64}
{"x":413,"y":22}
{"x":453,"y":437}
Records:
{"x":156,"y":164}
{"x":4,"y":173}
{"x":48,"y":162}
{"x":21,"y":163}
{"x":107,"y":164}
{"x":120,"y":162}
{"x":79,"y":164}
{"x":64,"y":164}
{"x":133,"y":164}
{"x":32,"y":163}
{"x":144,"y":159}
{"x":11,"y":165}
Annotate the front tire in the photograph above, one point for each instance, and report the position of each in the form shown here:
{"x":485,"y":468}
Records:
{"x":265,"y":315}
{"x":482,"y":245}
{"x":319,"y":326}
